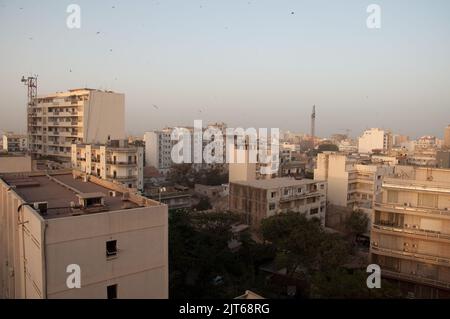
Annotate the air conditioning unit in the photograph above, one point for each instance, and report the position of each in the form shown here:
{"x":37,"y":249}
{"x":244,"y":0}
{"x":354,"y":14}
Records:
{"x":85,"y":178}
{"x":41,"y":207}
{"x":112,"y":193}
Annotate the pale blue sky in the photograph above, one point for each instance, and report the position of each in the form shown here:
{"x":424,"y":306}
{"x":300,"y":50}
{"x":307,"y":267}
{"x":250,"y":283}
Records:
{"x":244,"y":62}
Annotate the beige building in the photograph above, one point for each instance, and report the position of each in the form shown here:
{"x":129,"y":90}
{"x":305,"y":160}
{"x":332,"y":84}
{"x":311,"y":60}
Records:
{"x":446,"y":142}
{"x":15,"y":163}
{"x":352,"y":182}
{"x":51,"y":223}
{"x":77,"y":116}
{"x":14,"y":142}
{"x":115,"y":161}
{"x":410,"y":237}
{"x":259,"y":199}
{"x":375,"y":139}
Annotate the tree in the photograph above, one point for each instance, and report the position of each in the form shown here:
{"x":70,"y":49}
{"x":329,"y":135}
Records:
{"x":356,"y":224}
{"x":327,"y":148}
{"x":303,"y":243}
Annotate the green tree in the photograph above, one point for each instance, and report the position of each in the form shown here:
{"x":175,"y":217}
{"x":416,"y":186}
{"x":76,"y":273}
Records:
{"x":356,"y":224}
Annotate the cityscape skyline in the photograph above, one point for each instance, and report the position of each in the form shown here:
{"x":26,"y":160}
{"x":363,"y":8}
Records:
{"x":339,"y":64}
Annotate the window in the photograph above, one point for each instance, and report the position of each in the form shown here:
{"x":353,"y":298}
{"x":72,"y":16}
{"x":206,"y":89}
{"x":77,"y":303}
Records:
{"x":322,"y":186}
{"x":286,"y":192}
{"x":111,"y":248}
{"x":392,"y":197}
{"x":299,"y":190}
{"x":271,"y":206}
{"x":428,"y":200}
{"x":273,"y":194}
{"x":112,"y":292}
{"x":314,"y":211}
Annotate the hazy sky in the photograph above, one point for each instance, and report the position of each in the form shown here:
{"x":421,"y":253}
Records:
{"x":249,"y":63}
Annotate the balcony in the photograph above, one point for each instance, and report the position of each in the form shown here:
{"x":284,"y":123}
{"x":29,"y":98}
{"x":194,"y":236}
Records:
{"x":405,"y":209}
{"x":436,"y":260}
{"x":116,"y":163}
{"x":300,"y":196}
{"x":408,"y":231}
{"x":415,"y":278}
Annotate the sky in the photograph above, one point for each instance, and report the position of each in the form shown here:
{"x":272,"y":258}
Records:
{"x":248,"y":63}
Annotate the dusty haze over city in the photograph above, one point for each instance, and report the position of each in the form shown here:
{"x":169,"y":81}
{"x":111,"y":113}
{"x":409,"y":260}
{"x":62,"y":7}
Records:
{"x":247,"y":63}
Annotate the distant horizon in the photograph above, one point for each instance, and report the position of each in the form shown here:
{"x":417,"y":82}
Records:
{"x":246,"y":63}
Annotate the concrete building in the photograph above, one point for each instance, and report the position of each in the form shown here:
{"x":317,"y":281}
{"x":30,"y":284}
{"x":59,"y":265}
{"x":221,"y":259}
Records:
{"x":259,"y":199}
{"x":12,"y":163}
{"x":375,"y":139}
{"x":446,"y":141}
{"x":14,"y":143}
{"x":158,"y":148}
{"x":352,"y":182}
{"x":443,"y":158}
{"x":77,"y":116}
{"x":410,"y":236}
{"x":50,"y":223}
{"x":115,"y":161}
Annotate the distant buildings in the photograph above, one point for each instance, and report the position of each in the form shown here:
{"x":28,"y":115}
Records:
{"x":374,"y":140}
{"x":115,"y":161}
{"x":443,"y":158}
{"x":77,"y":116}
{"x":14,"y":143}
{"x":446,"y":142}
{"x":259,"y":199}
{"x":51,"y":224}
{"x":410,"y":237}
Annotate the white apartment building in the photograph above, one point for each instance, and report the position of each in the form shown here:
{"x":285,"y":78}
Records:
{"x":14,"y":142}
{"x":410,"y":237}
{"x":375,"y":139}
{"x":158,"y":148}
{"x":259,"y":199}
{"x":352,"y":182}
{"x":115,"y":161}
{"x":78,"y":116}
{"x":50,"y":223}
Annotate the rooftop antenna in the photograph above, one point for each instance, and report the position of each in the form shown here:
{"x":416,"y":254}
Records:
{"x":313,"y":125}
{"x":31,"y":84}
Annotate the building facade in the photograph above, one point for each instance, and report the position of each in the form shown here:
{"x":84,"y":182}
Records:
{"x":259,"y":199}
{"x":410,"y":237}
{"x":352,"y":182}
{"x":77,"y":116}
{"x":15,"y":143}
{"x":116,"y":161}
{"x":53,"y":224}
{"x":375,"y":139}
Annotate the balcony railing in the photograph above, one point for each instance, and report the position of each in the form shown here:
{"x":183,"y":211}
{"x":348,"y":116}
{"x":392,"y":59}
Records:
{"x":405,"y":209}
{"x":412,"y":255}
{"x":415,"y":278}
{"x":419,"y":232}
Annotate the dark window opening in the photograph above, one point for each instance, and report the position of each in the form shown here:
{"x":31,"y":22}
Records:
{"x":112,"y":292}
{"x":111,"y":248}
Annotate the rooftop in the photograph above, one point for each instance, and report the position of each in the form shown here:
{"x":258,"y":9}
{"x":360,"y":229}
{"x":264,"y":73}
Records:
{"x":63,"y":193}
{"x":277,"y":182}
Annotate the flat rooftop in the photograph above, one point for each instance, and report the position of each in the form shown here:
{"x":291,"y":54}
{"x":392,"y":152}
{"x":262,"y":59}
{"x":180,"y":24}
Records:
{"x":61,"y":191}
{"x":277,"y":182}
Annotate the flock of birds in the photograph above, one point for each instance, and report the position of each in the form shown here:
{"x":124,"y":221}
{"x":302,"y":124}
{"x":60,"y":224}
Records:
{"x":156,"y":107}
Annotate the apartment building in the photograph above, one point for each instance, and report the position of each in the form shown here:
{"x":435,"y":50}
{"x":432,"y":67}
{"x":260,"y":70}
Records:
{"x":259,"y":199}
{"x":375,"y":139}
{"x":158,"y":148}
{"x":15,"y":142}
{"x":78,"y":116}
{"x":115,"y":161}
{"x":410,"y":236}
{"x":352,"y":182}
{"x":51,"y":224}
